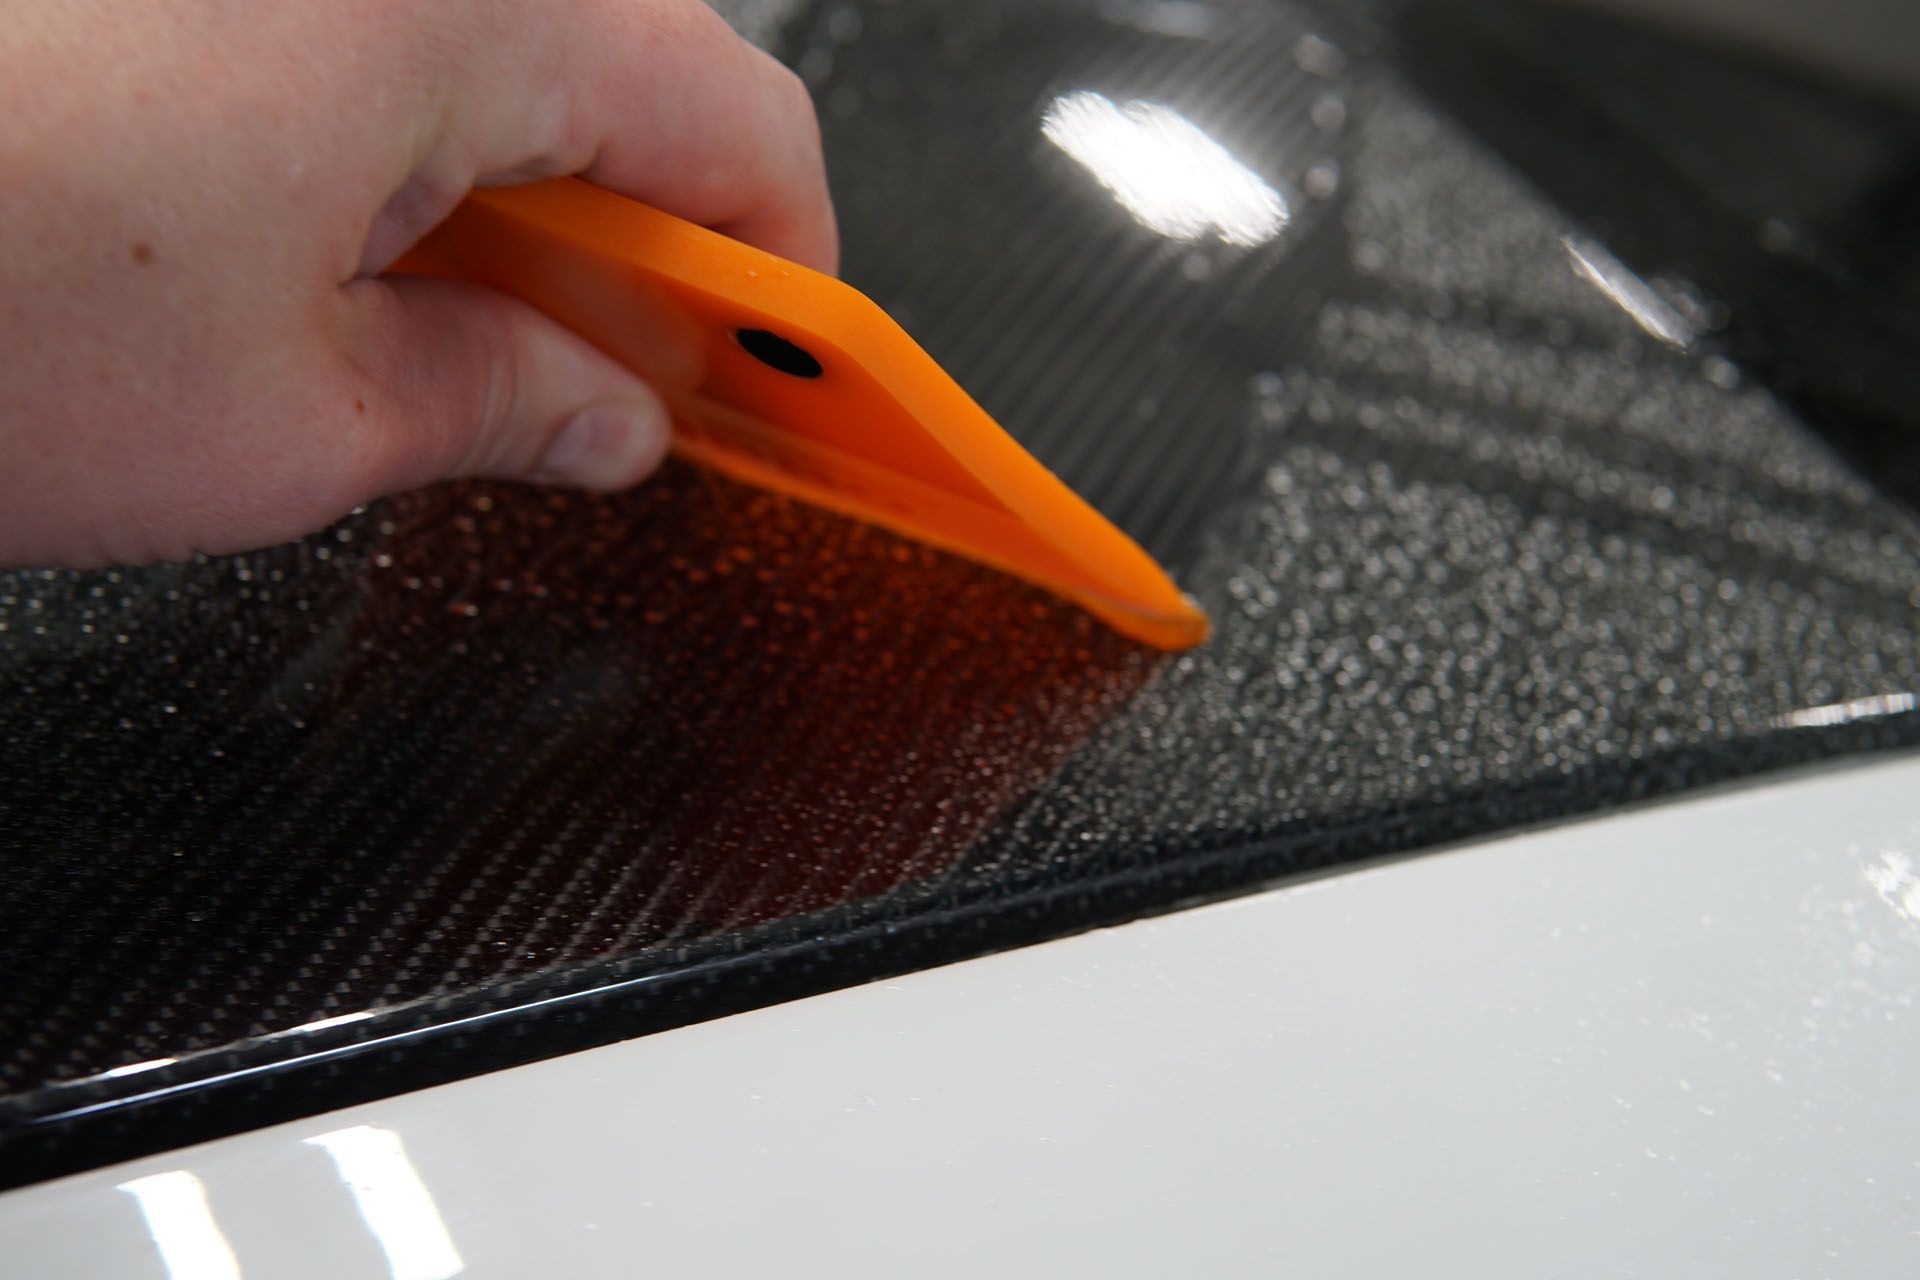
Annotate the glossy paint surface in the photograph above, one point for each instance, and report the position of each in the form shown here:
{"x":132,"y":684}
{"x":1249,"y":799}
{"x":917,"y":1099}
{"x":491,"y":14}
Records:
{"x":1671,"y":1043}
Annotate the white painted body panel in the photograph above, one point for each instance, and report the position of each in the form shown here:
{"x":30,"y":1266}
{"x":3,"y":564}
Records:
{"x":1675,"y":1042}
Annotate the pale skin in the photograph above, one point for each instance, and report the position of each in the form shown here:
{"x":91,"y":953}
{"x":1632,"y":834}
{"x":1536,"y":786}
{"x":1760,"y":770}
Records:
{"x":198,"y":351}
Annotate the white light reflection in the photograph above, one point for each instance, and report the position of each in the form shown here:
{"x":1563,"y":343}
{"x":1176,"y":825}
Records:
{"x":1893,"y":879}
{"x":393,"y":1202}
{"x":322,"y":1024}
{"x":1164,"y":170}
{"x":181,"y":1223}
{"x":135,"y":1068}
{"x":1832,"y":713}
{"x":1630,"y":293}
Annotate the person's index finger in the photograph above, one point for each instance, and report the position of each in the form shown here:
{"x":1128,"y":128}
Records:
{"x":800,"y":224}
{"x":679,"y":112}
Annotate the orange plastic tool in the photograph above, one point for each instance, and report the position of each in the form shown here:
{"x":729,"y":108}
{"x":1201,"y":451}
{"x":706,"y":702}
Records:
{"x":787,"y":378}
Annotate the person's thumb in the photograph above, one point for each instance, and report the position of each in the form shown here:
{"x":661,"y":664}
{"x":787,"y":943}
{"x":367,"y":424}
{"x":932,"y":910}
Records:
{"x":467,"y":382}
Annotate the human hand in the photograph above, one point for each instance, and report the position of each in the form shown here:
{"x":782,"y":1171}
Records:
{"x":197,"y":198}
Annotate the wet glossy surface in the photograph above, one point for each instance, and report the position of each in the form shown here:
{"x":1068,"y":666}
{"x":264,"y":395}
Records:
{"x":1674,"y":1043}
{"x":1493,"y":528}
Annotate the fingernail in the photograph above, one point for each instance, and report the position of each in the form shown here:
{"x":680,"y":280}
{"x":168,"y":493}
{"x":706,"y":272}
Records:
{"x":607,"y":445}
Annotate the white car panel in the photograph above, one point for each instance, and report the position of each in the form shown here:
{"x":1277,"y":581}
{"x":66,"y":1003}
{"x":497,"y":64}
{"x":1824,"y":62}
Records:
{"x":1678,"y":1041}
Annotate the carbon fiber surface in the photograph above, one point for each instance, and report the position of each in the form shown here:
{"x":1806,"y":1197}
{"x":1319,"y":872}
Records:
{"x":1493,"y":529}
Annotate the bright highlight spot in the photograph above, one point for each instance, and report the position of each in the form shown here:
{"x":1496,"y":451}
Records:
{"x":191,"y":1244}
{"x":1164,"y":170}
{"x":393,"y":1202}
{"x":1629,"y":292}
{"x":1894,"y":880}
{"x":324,"y":1024}
{"x":1832,"y":713}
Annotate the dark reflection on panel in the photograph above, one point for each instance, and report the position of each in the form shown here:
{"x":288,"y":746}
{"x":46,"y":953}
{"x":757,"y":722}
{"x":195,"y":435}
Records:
{"x":1498,"y":523}
{"x":1788,"y":204}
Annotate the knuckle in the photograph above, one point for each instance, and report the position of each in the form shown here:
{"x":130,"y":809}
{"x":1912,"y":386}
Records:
{"x":792,"y":96}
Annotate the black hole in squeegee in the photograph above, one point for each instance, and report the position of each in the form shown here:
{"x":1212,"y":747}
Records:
{"x":776,"y":352}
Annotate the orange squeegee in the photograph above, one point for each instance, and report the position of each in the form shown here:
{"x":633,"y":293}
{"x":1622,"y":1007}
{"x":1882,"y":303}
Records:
{"x":787,"y":378}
